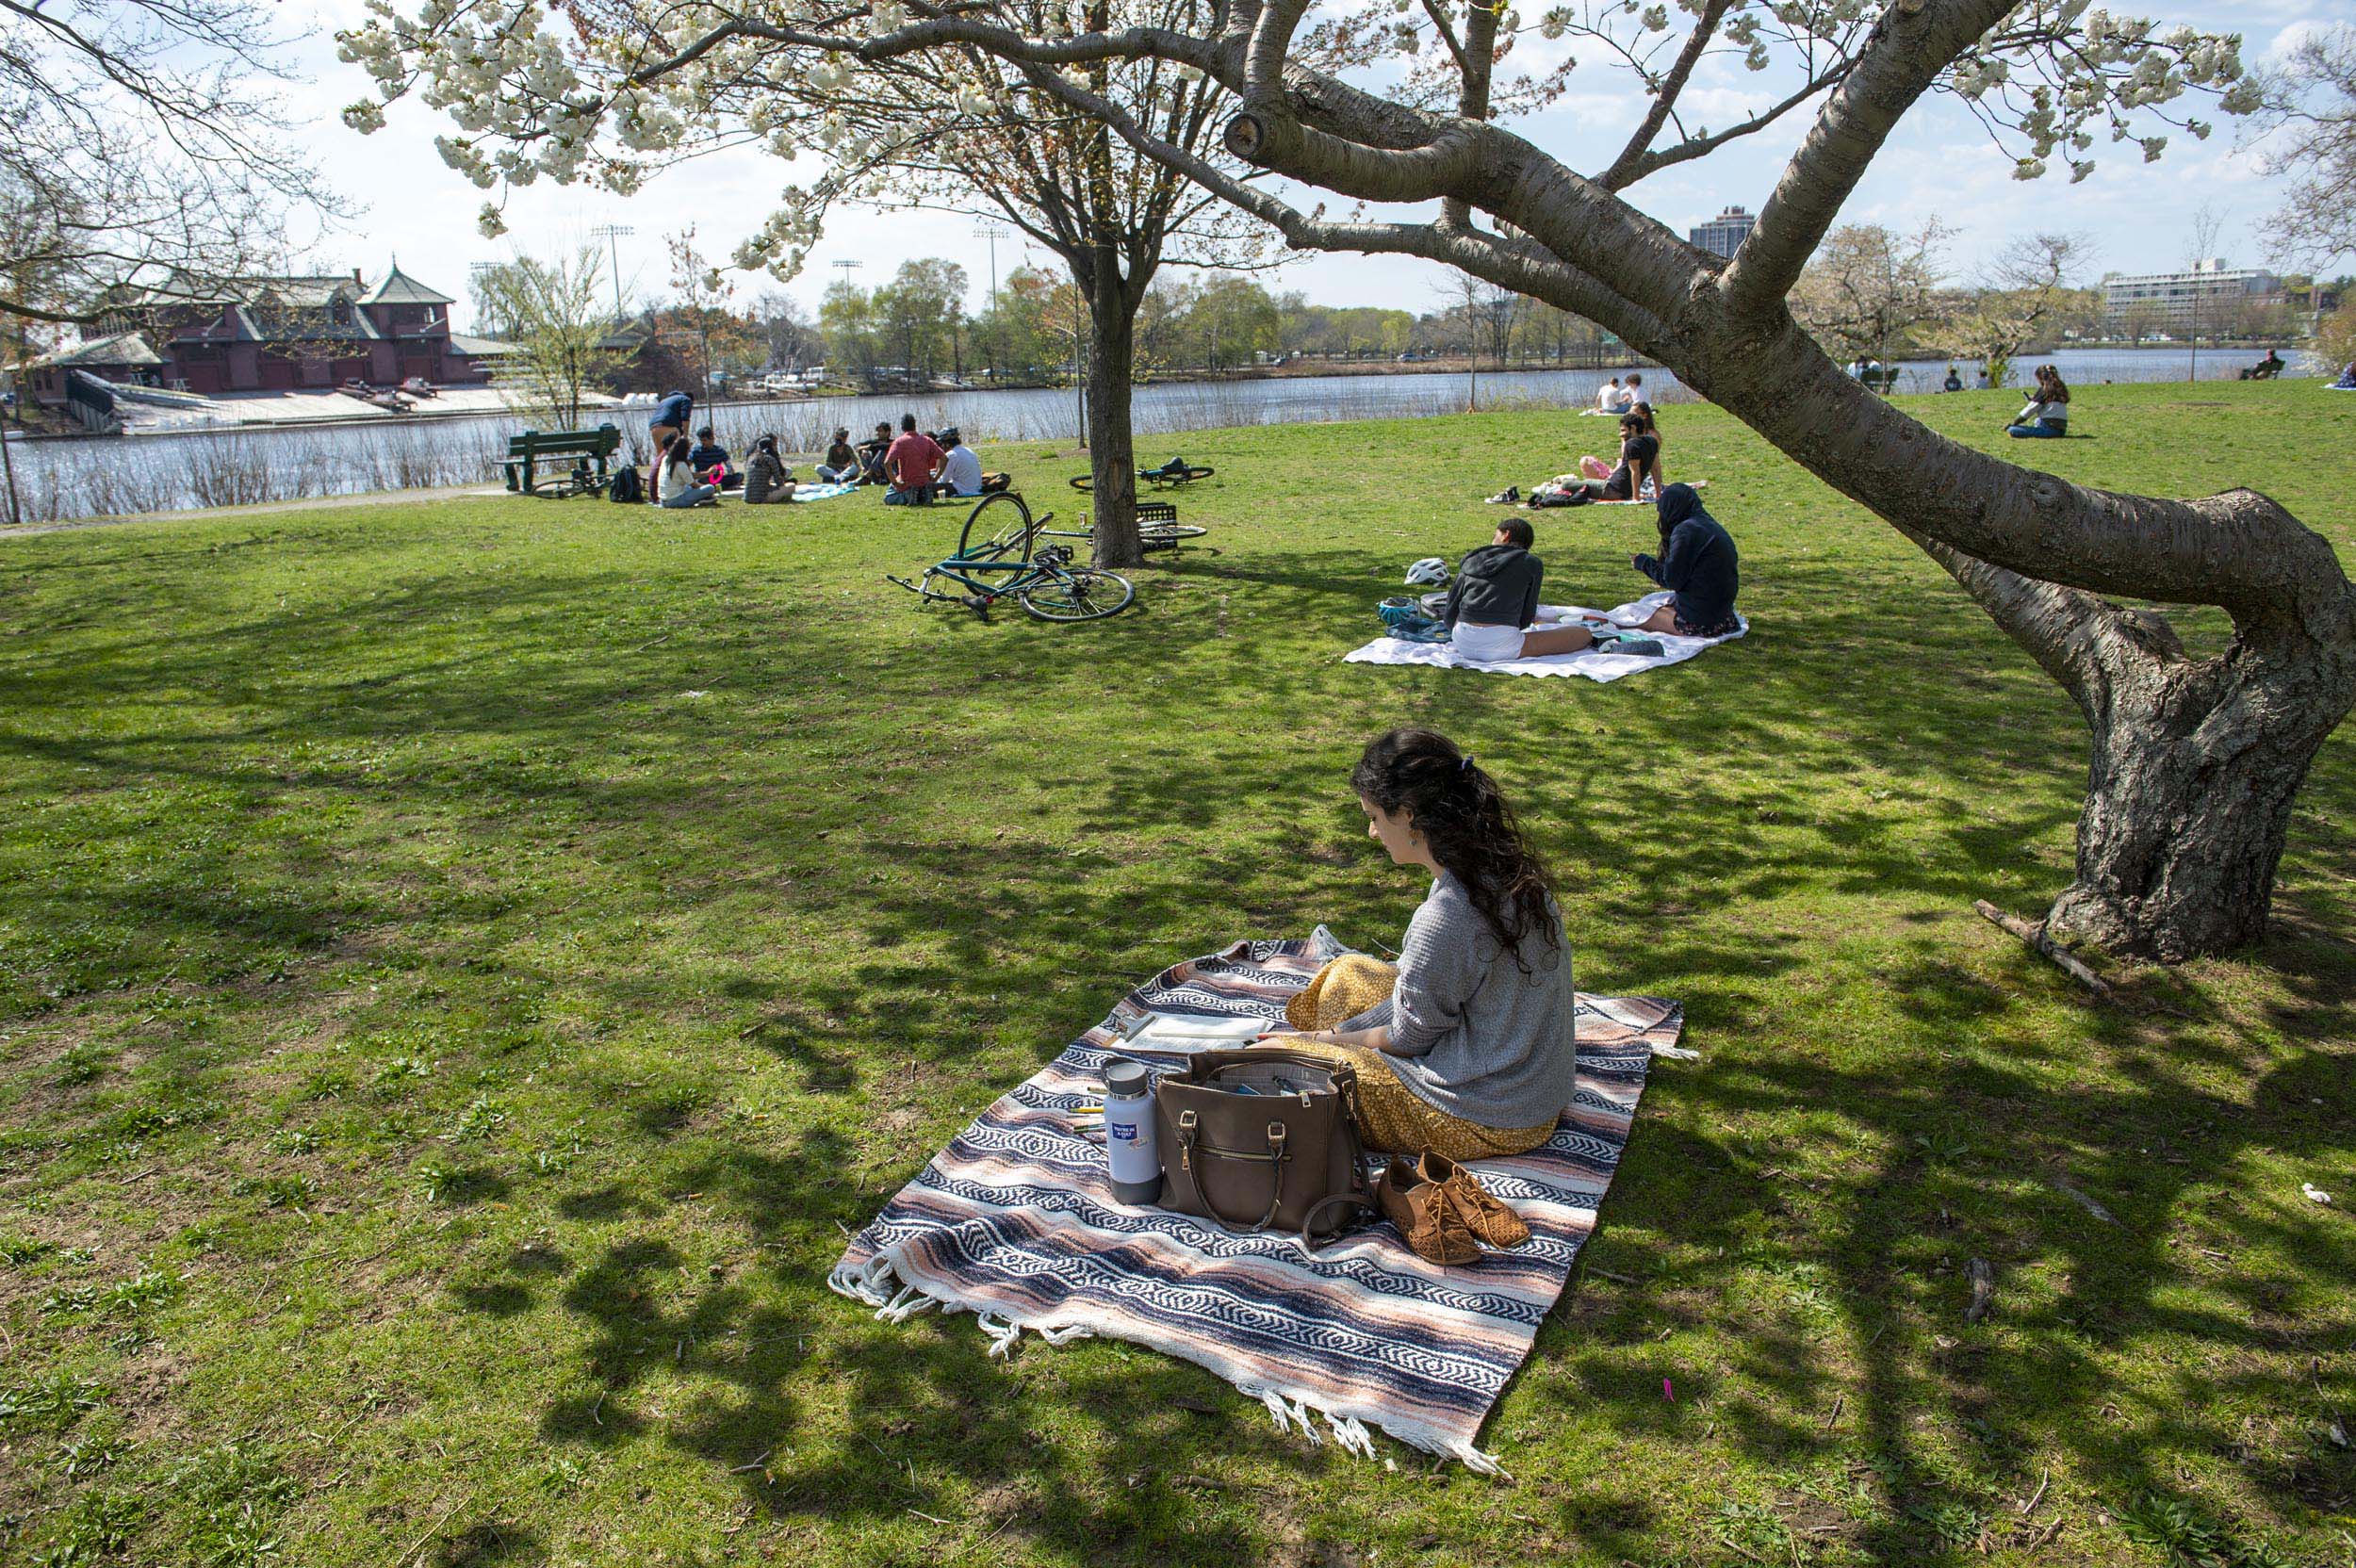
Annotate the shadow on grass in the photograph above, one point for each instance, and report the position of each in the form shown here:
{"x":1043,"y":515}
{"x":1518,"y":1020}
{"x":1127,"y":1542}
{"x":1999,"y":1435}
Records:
{"x":1728,"y":802}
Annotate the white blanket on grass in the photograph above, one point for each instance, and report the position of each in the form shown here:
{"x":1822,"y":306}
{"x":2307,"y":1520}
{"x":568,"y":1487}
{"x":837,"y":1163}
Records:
{"x":1592,"y":662}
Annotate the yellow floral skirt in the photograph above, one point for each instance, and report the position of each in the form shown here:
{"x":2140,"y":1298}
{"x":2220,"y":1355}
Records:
{"x":1393,"y":1119}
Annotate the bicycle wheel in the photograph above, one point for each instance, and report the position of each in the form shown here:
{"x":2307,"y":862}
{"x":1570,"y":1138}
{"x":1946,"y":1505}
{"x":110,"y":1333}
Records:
{"x":998,"y":529}
{"x":1171,"y":532}
{"x":1083,"y":482}
{"x":1078,"y":594}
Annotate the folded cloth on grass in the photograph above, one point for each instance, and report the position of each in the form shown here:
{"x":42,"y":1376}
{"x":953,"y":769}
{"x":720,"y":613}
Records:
{"x":821,"y":492}
{"x":1595,"y":664}
{"x":1015,"y":1222}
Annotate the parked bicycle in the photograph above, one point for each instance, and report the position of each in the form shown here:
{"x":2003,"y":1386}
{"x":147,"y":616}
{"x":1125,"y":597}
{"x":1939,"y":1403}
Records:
{"x":999,"y":557}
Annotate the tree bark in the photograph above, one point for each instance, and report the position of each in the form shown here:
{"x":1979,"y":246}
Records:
{"x":2194,"y":762}
{"x":1112,"y":459}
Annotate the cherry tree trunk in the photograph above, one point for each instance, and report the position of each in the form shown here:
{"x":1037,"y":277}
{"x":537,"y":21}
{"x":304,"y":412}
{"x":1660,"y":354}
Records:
{"x":2195,"y":762}
{"x":1112,"y":453}
{"x":2195,"y":767}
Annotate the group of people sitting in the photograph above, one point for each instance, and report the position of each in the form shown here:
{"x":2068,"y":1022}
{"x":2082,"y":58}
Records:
{"x":1492,"y":606}
{"x":2046,"y":414}
{"x":1615,"y":399}
{"x":1637,"y":476}
{"x":913,"y":467}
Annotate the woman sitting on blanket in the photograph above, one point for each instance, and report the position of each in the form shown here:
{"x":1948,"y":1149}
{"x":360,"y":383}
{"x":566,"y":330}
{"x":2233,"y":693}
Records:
{"x":1493,"y":597}
{"x":1639,"y":466}
{"x":1465,"y":1047}
{"x":1697,"y":564}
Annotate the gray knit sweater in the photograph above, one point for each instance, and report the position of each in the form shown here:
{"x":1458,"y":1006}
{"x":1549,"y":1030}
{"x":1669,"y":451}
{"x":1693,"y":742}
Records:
{"x":1471,"y":1033}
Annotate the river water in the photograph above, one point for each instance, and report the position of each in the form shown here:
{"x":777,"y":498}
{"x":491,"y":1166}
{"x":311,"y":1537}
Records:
{"x":63,"y":480}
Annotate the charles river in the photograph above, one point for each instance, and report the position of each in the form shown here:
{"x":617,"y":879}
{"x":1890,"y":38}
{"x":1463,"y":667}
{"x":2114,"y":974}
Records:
{"x":249,"y":464}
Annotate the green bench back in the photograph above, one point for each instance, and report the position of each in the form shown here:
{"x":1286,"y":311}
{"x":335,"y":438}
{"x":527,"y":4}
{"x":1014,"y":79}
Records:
{"x":602,"y":442}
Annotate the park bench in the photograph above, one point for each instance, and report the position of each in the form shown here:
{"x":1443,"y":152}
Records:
{"x":556,"y":464}
{"x":1880,"y":381}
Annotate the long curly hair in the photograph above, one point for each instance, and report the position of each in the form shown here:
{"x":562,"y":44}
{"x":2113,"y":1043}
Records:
{"x":1472,"y":832}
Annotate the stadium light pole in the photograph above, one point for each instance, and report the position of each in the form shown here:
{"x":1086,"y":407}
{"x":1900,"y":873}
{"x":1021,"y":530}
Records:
{"x":612,"y":233}
{"x":992,"y":233}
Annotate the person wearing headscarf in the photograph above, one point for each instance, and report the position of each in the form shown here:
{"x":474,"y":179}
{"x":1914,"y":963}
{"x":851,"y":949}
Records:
{"x":1697,"y":564}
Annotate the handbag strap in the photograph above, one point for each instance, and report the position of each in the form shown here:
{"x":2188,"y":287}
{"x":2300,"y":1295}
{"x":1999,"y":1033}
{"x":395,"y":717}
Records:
{"x":1309,"y":1221}
{"x":1190,"y":1149}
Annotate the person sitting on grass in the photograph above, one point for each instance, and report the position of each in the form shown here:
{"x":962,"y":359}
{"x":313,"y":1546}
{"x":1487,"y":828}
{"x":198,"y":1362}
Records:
{"x":768,"y":479}
{"x":870,"y":455}
{"x":2046,"y":415}
{"x":1697,"y":564}
{"x":1954,"y":381}
{"x":680,"y":488}
{"x":961,"y":471}
{"x":841,"y":466}
{"x":1492,"y":602}
{"x":913,"y":463}
{"x":2348,"y":379}
{"x":709,"y":459}
{"x":1465,"y":1047}
{"x":1611,"y":398}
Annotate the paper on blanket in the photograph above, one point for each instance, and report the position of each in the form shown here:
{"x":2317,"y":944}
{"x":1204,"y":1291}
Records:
{"x":821,"y":492}
{"x":1592,"y":662}
{"x":1179,"y":1031}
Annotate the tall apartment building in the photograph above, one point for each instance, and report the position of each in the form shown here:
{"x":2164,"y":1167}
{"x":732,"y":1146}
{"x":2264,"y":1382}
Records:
{"x":1722,"y":232}
{"x":2176,"y":299}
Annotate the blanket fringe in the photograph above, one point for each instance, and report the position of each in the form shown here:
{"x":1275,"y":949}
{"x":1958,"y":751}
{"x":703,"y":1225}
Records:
{"x":877,"y":1284}
{"x":1676,"y":1053}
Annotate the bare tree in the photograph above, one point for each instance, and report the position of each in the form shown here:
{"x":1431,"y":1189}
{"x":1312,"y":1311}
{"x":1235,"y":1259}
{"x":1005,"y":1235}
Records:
{"x":142,"y":150}
{"x":2196,"y":760}
{"x":1869,"y":289}
{"x":2207,"y":223}
{"x":557,"y":320}
{"x":2310,"y":116}
{"x":2021,"y":295}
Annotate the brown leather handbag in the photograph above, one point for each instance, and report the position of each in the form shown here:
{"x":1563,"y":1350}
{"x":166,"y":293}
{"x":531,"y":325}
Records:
{"x":1258,"y":1140}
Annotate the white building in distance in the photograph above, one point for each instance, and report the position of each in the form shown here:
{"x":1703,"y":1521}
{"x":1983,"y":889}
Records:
{"x":2207,"y":293}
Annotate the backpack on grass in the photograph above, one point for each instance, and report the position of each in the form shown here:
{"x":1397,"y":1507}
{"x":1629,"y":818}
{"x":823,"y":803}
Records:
{"x":625,"y":488}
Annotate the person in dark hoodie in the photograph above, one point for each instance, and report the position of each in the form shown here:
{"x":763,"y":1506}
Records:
{"x":1697,"y":564}
{"x":1495,"y":598}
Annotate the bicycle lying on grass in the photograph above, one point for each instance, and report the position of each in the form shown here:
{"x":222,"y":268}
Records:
{"x":1171,"y":475}
{"x":999,"y":557}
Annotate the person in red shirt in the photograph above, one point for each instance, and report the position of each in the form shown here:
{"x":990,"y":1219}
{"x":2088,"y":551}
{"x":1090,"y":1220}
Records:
{"x":913,"y":461}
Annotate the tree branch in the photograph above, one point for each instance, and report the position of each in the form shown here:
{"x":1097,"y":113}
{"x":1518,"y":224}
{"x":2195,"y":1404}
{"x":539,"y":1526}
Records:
{"x":1902,"y":57}
{"x":1623,"y":170}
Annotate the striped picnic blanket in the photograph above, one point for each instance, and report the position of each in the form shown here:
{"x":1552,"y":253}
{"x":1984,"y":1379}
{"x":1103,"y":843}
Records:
{"x":1015,"y":1222}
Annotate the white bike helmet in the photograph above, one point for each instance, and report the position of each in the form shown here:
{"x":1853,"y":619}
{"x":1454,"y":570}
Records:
{"x":1431,"y":569}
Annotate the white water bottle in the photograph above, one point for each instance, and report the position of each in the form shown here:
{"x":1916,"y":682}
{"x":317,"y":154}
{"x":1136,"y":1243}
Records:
{"x":1136,"y":1167}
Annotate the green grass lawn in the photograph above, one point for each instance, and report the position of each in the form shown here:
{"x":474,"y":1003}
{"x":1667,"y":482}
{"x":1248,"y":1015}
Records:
{"x":466,"y":967}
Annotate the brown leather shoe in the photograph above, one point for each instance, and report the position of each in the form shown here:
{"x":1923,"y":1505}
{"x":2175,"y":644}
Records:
{"x":1430,"y":1221}
{"x":1490,"y":1220}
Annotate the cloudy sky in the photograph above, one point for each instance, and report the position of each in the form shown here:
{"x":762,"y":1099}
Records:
{"x":1941,"y":164}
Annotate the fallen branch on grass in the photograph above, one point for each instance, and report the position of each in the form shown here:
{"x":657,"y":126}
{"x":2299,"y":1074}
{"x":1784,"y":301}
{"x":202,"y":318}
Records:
{"x":2034,"y":934}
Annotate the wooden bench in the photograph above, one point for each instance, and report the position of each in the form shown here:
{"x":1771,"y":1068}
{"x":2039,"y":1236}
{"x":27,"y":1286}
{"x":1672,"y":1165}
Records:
{"x":1880,"y":381}
{"x":556,"y":464}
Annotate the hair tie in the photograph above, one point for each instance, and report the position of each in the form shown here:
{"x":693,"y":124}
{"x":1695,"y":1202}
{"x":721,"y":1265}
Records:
{"x":1466,"y":765}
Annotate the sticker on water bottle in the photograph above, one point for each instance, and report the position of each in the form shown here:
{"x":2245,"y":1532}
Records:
{"x":1123,"y":1132}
